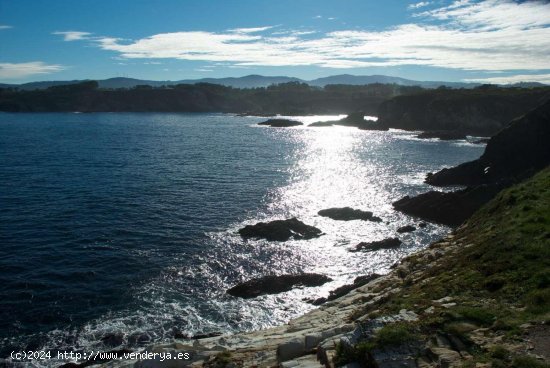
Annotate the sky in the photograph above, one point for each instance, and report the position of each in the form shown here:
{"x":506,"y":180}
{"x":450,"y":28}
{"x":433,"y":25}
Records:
{"x":490,"y":41}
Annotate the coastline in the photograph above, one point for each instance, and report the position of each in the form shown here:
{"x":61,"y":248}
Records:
{"x":428,"y":311}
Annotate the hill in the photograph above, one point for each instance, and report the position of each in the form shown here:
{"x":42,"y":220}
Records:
{"x":248,"y":81}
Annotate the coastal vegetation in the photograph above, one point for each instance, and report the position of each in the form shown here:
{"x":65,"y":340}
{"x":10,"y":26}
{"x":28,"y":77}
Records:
{"x":444,"y":111}
{"x":487,"y":295}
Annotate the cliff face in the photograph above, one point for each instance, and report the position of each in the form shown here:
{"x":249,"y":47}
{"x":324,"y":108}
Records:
{"x":515,"y":152}
{"x":473,"y":112}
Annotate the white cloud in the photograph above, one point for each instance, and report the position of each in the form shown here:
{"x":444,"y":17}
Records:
{"x":73,"y":35}
{"x":250,"y":30}
{"x":4,"y":26}
{"x":541,"y":78}
{"x":494,"y":14}
{"x":484,"y":36}
{"x":419,"y":5}
{"x":21,"y":70}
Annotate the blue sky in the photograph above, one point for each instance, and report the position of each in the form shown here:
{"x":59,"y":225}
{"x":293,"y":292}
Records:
{"x":466,"y":40}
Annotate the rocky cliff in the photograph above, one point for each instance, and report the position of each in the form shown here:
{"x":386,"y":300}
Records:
{"x":480,"y":111}
{"x":514,"y":153}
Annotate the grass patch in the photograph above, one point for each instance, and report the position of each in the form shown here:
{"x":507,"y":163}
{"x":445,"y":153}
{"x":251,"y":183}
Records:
{"x":525,"y":361}
{"x":392,"y":335}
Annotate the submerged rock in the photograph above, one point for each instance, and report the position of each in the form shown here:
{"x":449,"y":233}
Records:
{"x":406,"y":229}
{"x":276,"y":284}
{"x":347,"y":214}
{"x":388,"y":243}
{"x":281,"y":123}
{"x":280,"y":230}
{"x":451,"y":208}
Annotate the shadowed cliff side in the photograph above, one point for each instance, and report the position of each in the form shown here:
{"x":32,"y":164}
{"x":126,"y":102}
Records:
{"x":482,"y":111}
{"x":514,"y":153}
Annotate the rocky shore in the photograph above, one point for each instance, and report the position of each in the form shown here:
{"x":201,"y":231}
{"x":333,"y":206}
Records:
{"x":454,"y":304}
{"x":480,"y":297}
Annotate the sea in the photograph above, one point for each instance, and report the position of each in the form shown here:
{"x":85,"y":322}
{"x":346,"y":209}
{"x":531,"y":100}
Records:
{"x":120,"y":229}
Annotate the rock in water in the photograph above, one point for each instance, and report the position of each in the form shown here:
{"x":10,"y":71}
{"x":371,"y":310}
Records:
{"x":406,"y":229}
{"x":345,"y":289}
{"x":280,"y":123}
{"x":322,"y":124}
{"x":451,"y":208}
{"x":388,"y":243}
{"x":347,"y":214}
{"x":280,"y":230}
{"x":276,"y":284}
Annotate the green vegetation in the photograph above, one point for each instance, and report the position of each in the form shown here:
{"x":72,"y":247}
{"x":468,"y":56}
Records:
{"x":222,"y":360}
{"x":387,"y":336}
{"x":498,"y":280}
{"x":288,"y":98}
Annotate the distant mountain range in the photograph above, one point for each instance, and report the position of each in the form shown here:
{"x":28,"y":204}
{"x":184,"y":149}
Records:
{"x":256,"y":81}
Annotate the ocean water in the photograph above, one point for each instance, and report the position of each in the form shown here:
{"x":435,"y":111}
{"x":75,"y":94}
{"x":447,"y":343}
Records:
{"x":126,"y":223}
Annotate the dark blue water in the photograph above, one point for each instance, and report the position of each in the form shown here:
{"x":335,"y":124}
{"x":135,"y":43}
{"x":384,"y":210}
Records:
{"x":127,"y":223}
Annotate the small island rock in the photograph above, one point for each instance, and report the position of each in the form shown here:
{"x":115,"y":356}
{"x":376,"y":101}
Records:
{"x":276,"y":284}
{"x":406,"y":229}
{"x":280,"y":230}
{"x":388,"y":243}
{"x":347,"y":214}
{"x":281,"y":123}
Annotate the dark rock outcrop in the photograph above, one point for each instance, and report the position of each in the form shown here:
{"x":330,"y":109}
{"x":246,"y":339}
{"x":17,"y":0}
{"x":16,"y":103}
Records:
{"x":389,"y":243}
{"x":406,"y":229}
{"x":322,"y":124}
{"x":113,"y":339}
{"x":451,"y":208}
{"x":281,"y":123}
{"x":345,"y":289}
{"x":481,"y":141}
{"x":355,"y":119}
{"x":280,"y":230}
{"x":276,"y":284}
{"x":513,"y":154}
{"x":443,"y":135}
{"x":478,"y":112}
{"x":348,"y":213}
{"x":206,"y":335}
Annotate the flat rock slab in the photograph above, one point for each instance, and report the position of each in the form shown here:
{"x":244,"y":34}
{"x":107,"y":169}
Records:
{"x":281,"y":123}
{"x":388,"y":243}
{"x":280,"y":230}
{"x":276,"y":284}
{"x":348,"y":214}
